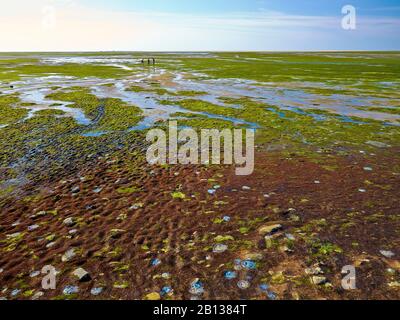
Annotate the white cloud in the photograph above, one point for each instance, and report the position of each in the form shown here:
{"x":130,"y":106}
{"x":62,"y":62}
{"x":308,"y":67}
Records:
{"x":25,"y":25}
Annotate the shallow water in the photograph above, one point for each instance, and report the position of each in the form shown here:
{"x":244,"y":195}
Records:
{"x":34,"y":90}
{"x":39,"y":98}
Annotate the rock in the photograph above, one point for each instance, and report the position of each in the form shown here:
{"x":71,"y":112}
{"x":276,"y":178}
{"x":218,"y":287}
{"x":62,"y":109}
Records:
{"x":285,"y":248}
{"x":153,"y":296}
{"x":33,"y":227}
{"x":229,"y":275}
{"x":34,"y":274}
{"x":196,"y":287}
{"x":15,"y":292}
{"x":75,"y":189}
{"x":165,"y":275}
{"x":68,"y":255}
{"x":82,"y":275}
{"x":377,"y":144}
{"x":387,"y":254}
{"x":243,"y":284}
{"x":97,"y":190}
{"x":249,"y":265}
{"x":290,"y":237}
{"x":219,"y":248}
{"x":50,"y":244}
{"x":39,"y":214}
{"x":314,"y":270}
{"x":167,"y":291}
{"x":269,"y":229}
{"x":69,"y":222}
{"x":13,"y":235}
{"x":96,"y":291}
{"x":155,"y":262}
{"x":37,"y":295}
{"x":394,"y":284}
{"x":68,"y":290}
{"x":246,"y":188}
{"x":253,"y":256}
{"x":319,"y":280}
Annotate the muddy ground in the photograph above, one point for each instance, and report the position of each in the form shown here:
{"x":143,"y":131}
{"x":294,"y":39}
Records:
{"x":157,"y":229}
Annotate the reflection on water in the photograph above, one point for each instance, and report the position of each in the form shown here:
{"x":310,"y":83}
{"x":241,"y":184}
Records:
{"x":34,"y":90}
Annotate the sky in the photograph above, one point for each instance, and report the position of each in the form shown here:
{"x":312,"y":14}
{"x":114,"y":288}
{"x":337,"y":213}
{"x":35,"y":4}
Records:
{"x":197,"y":25}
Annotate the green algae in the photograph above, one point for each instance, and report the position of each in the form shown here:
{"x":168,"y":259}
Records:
{"x":8,"y":113}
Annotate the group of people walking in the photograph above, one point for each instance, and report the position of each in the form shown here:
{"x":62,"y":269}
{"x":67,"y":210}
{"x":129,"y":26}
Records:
{"x":149,"y":61}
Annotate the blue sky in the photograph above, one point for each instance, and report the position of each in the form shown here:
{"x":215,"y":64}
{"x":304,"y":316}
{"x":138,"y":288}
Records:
{"x":172,"y":25}
{"x":302,"y":7}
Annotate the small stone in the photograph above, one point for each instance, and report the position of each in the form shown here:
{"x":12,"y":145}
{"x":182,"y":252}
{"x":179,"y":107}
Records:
{"x":82,"y":275}
{"x":319,"y":280}
{"x":33,"y":227}
{"x":211,"y":191}
{"x":249,"y":265}
{"x":253,"y":256}
{"x":15,"y":292}
{"x":269,"y":229}
{"x":226,"y":218}
{"x":75,"y":189}
{"x":68,"y":290}
{"x":167,"y":290}
{"x":196,"y":287}
{"x":271,"y":295}
{"x":367,"y":169}
{"x":377,"y":144}
{"x":387,"y":254}
{"x":230,"y":275}
{"x":362,"y":190}
{"x":34,"y":274}
{"x":97,"y":190}
{"x":39,"y":214}
{"x":314,"y":270}
{"x":246,"y":188}
{"x":290,"y":236}
{"x":50,"y":244}
{"x":69,"y":222}
{"x":68,"y":255}
{"x":13,"y":235}
{"x":73,"y":231}
{"x":96,"y":291}
{"x":165,"y":275}
{"x":243,"y":284}
{"x":394,"y":284}
{"x":155,"y":262}
{"x":153,"y":296}
{"x":136,"y":206}
{"x":264,"y":287}
{"x":219,"y":248}
{"x":37,"y":295}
